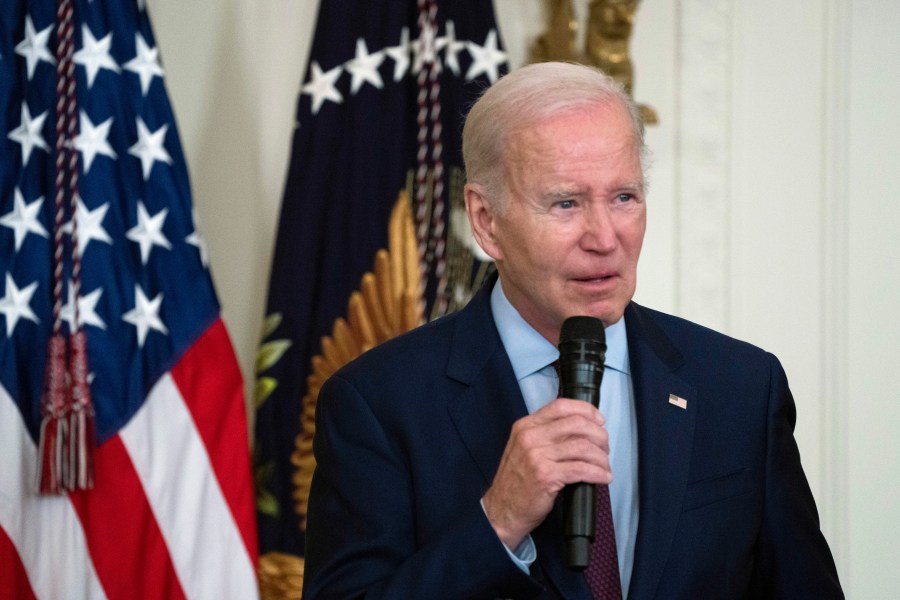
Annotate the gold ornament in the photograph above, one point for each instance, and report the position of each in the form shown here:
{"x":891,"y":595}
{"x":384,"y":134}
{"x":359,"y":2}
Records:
{"x":610,"y":24}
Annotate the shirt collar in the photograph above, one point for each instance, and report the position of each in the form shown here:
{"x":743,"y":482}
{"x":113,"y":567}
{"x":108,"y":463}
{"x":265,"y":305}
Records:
{"x":529,"y":351}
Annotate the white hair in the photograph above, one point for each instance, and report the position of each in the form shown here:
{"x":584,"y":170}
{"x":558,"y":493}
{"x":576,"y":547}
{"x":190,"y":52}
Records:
{"x":525,"y":97}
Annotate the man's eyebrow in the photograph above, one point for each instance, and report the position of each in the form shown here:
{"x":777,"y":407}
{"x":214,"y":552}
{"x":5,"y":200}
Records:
{"x":564,"y":192}
{"x":637,"y":184}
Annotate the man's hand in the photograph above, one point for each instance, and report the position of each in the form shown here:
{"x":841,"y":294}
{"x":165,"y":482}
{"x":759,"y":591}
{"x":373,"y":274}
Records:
{"x":563,"y":442}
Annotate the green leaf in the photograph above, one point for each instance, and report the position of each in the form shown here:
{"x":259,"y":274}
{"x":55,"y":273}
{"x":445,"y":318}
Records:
{"x":267,"y":504}
{"x":270,"y":325}
{"x":264,"y":388}
{"x":270,"y":353}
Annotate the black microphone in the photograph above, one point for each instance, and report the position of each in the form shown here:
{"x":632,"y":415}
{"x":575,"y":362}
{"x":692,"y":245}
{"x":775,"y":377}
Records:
{"x":582,"y":349}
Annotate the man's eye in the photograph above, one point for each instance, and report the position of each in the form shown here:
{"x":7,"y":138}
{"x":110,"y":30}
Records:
{"x":566,"y":204}
{"x":625,"y":198}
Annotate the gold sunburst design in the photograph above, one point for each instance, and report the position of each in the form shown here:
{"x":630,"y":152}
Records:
{"x":280,"y":576}
{"x":388,"y":303}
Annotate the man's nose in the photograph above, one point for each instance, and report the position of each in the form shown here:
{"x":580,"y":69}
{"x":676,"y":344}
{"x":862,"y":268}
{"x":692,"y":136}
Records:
{"x":599,"y":233}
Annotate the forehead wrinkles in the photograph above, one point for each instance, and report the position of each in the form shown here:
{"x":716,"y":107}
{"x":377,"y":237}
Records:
{"x":540,"y":152}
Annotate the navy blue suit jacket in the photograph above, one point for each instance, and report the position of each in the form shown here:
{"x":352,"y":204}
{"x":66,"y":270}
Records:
{"x":409,"y":436}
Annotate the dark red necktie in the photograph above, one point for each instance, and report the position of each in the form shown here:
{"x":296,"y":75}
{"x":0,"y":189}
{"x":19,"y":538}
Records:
{"x":602,"y":573}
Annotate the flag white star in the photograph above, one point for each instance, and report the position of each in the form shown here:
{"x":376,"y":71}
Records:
{"x":485,"y":59}
{"x":364,"y":67}
{"x":321,"y":86}
{"x":195,"y":239}
{"x":15,"y":304}
{"x":148,"y":231}
{"x":453,"y":48}
{"x":90,"y":225}
{"x":149,"y":147}
{"x":400,"y":55}
{"x":87,"y":309}
{"x":34,"y":46}
{"x":425,"y":48}
{"x":24,"y":218}
{"x":145,"y":64}
{"x":92,"y":140}
{"x":28,"y":133}
{"x":94,"y":54}
{"x":145,"y":315}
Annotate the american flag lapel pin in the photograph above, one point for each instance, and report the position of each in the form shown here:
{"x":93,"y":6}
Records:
{"x":678,"y":401}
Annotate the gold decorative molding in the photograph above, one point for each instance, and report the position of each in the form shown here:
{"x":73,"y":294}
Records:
{"x":609,"y":27}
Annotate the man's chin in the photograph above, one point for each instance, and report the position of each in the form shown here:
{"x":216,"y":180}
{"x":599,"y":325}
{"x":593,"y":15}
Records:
{"x":606,"y":312}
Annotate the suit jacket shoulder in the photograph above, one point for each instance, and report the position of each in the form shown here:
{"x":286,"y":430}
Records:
{"x":725,"y":508}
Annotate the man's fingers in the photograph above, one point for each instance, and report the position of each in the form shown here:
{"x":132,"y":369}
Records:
{"x":566,"y":407}
{"x":563,"y":442}
{"x":538,"y":433}
{"x":577,"y":450}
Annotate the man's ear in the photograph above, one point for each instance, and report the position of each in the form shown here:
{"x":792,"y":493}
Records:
{"x":483,"y":219}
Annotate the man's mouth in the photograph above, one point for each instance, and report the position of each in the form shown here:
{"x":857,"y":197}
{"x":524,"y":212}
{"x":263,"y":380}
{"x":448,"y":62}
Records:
{"x":595,"y":278}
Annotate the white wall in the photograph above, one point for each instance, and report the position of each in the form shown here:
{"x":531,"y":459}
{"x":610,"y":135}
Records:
{"x":872,"y":328}
{"x":774,"y":200}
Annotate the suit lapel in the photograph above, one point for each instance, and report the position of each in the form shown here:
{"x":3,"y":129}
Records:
{"x":491,"y":400}
{"x":665,"y":442}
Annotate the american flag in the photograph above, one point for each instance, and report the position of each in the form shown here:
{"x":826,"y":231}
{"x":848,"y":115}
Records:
{"x":170,"y":514}
{"x":381,"y":105}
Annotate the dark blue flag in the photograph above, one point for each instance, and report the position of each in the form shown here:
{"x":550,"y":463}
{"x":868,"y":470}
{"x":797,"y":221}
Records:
{"x":380,"y":111}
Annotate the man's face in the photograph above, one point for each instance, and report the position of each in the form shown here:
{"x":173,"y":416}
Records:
{"x":568,"y":238}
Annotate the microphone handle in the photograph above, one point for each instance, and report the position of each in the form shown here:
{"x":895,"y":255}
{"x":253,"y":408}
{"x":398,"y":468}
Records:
{"x":580,"y":499}
{"x":580,"y":523}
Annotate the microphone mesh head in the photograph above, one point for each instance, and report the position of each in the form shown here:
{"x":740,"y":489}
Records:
{"x":582,"y":328}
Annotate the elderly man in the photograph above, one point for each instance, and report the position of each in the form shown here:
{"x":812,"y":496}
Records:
{"x":442,"y":454}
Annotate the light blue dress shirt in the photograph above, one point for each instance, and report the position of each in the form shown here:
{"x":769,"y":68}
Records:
{"x":532,"y":356}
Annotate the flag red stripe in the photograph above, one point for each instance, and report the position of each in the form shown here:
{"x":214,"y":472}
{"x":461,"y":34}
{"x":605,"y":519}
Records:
{"x":210,"y":383}
{"x":14,"y":580}
{"x":126,"y":546}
